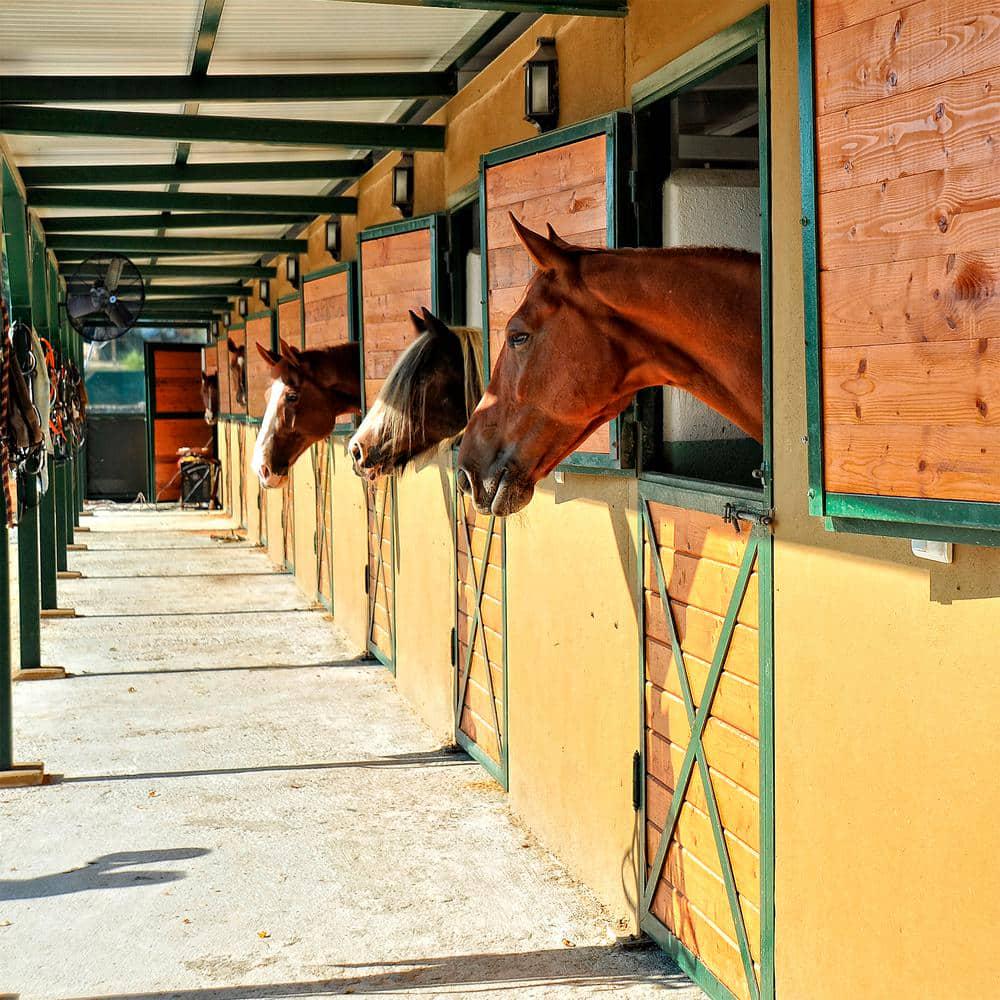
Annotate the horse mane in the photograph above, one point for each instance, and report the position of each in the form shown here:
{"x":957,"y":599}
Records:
{"x":405,"y":405}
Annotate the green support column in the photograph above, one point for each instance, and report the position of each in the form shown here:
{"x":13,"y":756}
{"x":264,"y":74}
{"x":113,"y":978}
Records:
{"x":29,"y":594}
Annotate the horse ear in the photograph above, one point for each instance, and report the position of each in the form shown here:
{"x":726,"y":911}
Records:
{"x":269,"y":356}
{"x":554,"y":237}
{"x":431,"y":322}
{"x":231,"y":344}
{"x":546,"y":254}
{"x":418,"y":323}
{"x":288,"y":352}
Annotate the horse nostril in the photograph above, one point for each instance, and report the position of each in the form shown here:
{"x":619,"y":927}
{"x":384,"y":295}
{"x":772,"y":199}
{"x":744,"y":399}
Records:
{"x":265,"y":471}
{"x":357,"y":452}
{"x":464,"y":482}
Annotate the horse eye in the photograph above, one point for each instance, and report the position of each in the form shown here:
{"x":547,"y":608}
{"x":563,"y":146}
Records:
{"x":291,"y":397}
{"x":517,"y":339}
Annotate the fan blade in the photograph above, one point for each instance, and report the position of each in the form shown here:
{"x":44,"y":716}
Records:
{"x":114,"y":274}
{"x":119,"y":315}
{"x":80,"y":305}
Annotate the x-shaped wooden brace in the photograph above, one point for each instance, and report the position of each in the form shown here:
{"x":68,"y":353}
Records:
{"x":286,"y":521}
{"x":379,"y":561}
{"x":479,"y":583}
{"x":695,"y":752}
{"x":322,"y":496}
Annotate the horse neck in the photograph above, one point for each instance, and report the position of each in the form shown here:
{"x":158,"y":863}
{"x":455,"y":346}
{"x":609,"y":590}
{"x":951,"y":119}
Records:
{"x":692,"y":319}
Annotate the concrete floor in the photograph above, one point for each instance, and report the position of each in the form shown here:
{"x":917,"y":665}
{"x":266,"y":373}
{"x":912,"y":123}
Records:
{"x":242,"y":808}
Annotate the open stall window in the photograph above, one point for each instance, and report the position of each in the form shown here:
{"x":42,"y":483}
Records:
{"x":900,"y":276}
{"x":699,"y":169}
{"x":465,"y":265}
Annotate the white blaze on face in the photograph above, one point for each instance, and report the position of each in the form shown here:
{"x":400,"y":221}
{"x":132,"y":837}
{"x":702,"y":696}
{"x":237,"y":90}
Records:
{"x":370,"y":429}
{"x":265,"y":437}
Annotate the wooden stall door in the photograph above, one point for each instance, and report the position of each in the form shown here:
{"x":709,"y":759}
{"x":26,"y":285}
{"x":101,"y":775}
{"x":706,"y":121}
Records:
{"x":704,"y":584}
{"x":480,"y":654}
{"x":906,"y":240}
{"x":380,"y":579}
{"x":397,"y":274}
{"x":567,"y":187}
{"x":176,"y":413}
{"x":327,"y":307}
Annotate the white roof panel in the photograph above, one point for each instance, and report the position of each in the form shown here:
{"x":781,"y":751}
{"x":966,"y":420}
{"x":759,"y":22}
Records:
{"x":87,"y":37}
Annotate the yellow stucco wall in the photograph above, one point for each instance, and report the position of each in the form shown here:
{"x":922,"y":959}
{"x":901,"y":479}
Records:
{"x":425,"y":592}
{"x":225,"y":468}
{"x":350,"y":546}
{"x":253,"y":490}
{"x":275,"y":532}
{"x":886,"y":741}
{"x":304,"y":498}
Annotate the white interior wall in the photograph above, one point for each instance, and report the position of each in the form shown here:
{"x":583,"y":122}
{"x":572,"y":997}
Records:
{"x":707,"y":208}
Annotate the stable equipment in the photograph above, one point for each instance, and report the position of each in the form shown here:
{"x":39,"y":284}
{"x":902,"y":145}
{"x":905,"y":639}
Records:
{"x":106,"y":306}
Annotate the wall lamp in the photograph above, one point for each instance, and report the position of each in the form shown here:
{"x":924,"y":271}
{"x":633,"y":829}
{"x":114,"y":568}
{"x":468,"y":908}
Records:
{"x":243,"y":306}
{"x":333,"y":238}
{"x":402,"y":185}
{"x":292,"y":271}
{"x":264,"y":291}
{"x":541,"y":86}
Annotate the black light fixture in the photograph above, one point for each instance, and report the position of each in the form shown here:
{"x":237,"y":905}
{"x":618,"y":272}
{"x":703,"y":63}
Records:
{"x":243,"y":306}
{"x":292,"y":271}
{"x":227,"y":320}
{"x":215,"y":329}
{"x":264,"y":291}
{"x":541,"y":86}
{"x":402,"y":185}
{"x":333,"y":238}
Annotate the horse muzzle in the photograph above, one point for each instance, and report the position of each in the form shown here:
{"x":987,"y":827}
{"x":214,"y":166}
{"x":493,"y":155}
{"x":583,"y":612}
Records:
{"x":503,"y":492}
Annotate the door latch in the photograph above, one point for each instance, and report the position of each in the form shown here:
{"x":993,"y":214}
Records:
{"x":734,"y":514}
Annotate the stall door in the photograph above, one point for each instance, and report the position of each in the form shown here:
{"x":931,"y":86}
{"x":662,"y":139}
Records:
{"x":398,"y":272}
{"x":706,"y":709}
{"x":176,"y":414}
{"x":480,"y":654}
{"x":328,"y":305}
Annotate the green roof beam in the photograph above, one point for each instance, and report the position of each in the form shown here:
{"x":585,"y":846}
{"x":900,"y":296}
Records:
{"x":195,"y":89}
{"x":174,"y":244}
{"x":170,"y":201}
{"x":22,"y":120}
{"x":190,"y":220}
{"x":242,"y":272}
{"x":593,"y":8}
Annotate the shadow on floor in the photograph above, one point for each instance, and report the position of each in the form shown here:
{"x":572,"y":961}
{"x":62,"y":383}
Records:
{"x":202,"y":614}
{"x":328,"y":665}
{"x":443,"y":757}
{"x":593,"y":967}
{"x":110,"y":871}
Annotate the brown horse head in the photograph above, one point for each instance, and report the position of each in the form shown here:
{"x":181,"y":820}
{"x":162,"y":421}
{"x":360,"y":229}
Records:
{"x":427,"y":398}
{"x":238,"y":366}
{"x":210,"y":396}
{"x":309,"y":390}
{"x":594,"y":327}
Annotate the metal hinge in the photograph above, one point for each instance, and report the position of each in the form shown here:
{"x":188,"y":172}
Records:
{"x":734,"y":514}
{"x":636,"y":781}
{"x":368,"y":575}
{"x":454,"y":648}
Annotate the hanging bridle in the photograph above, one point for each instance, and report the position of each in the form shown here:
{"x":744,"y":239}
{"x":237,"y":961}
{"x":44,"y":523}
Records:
{"x":22,"y":438}
{"x":68,"y":404}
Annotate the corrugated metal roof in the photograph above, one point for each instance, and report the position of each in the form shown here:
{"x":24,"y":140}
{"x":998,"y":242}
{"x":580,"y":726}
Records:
{"x":126,"y":37}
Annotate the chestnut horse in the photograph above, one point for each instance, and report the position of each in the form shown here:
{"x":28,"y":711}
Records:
{"x":238,"y":366}
{"x":210,"y":396}
{"x":427,"y":398}
{"x":593,"y":328}
{"x":309,"y":390}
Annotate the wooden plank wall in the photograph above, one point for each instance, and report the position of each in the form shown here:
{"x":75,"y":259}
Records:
{"x":327,"y":310}
{"x":701,"y":556}
{"x":909,"y":222}
{"x":222,"y":366}
{"x":481,"y":713}
{"x":566,"y":187}
{"x":290,"y":322}
{"x":396,"y":276}
{"x":239,"y":337}
{"x":380,"y":498}
{"x":258,"y":331}
{"x":178,"y":420}
{"x":210,"y":360}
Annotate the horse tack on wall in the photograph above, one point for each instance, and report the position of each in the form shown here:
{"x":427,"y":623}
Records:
{"x":329,"y":299}
{"x":903,"y":328}
{"x":400,"y":269}
{"x":571,"y":179}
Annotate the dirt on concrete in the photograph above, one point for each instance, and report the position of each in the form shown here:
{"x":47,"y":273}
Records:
{"x":242,"y":807}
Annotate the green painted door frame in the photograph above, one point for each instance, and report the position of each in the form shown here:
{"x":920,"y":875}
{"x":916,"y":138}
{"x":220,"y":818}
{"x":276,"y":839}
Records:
{"x":752,"y":511}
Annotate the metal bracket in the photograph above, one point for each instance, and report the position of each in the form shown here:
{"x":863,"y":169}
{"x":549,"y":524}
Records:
{"x":368,"y":578}
{"x":636,"y":781}
{"x":733,"y":514}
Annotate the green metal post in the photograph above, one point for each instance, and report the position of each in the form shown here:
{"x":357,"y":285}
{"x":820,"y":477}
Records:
{"x":55,"y":337}
{"x":6,"y":692}
{"x":29,"y":596}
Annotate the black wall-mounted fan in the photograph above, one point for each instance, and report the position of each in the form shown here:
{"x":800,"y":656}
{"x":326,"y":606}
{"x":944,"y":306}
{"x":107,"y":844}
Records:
{"x":104,"y":298}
